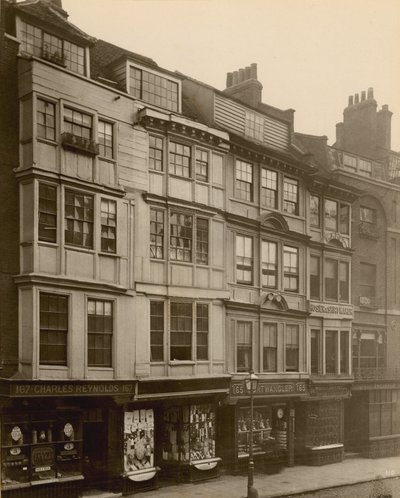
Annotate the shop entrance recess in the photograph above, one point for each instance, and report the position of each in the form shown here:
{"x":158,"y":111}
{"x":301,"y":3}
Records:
{"x":95,"y":437}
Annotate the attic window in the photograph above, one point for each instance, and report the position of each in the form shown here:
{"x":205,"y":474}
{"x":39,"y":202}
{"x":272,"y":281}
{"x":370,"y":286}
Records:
{"x":37,"y":42}
{"x":254,"y":126}
{"x":154,"y":89}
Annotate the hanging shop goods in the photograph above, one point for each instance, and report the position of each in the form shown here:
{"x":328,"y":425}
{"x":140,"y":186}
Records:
{"x":139,"y":445}
{"x":188,"y":443}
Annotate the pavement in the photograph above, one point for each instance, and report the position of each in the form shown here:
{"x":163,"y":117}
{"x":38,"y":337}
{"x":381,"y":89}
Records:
{"x":291,"y":480}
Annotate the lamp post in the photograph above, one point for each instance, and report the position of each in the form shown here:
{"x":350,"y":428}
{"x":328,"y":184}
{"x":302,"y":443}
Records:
{"x":250,"y":383}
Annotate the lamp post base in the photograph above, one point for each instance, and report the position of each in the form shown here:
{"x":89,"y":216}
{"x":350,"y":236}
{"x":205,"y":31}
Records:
{"x":252,"y":492}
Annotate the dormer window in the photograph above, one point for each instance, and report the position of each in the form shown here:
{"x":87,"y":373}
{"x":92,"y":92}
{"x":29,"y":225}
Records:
{"x":154,"y":88}
{"x":37,"y":42}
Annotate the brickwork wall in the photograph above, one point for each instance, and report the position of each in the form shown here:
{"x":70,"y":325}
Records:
{"x":9,"y":213}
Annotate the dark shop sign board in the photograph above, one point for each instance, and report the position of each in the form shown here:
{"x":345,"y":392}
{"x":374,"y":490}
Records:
{"x":269,"y":389}
{"x":65,"y":388}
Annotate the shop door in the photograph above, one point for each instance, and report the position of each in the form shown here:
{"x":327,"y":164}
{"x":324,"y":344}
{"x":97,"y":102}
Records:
{"x":95,"y":439}
{"x":355,"y":423}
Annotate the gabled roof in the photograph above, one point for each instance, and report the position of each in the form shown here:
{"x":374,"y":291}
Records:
{"x":45,"y":15}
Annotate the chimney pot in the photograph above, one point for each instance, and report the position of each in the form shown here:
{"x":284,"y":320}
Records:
{"x":247,"y":73}
{"x":235,"y":77}
{"x":229,"y":79}
{"x":385,"y":107}
{"x":356,"y":98}
{"x":362,"y":95}
{"x":253,"y":69}
{"x":370,"y":93}
{"x":241,"y":75}
{"x":351,"y":100}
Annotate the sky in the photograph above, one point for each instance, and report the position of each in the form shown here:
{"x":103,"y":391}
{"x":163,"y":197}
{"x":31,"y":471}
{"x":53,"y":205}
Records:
{"x":311,"y":54}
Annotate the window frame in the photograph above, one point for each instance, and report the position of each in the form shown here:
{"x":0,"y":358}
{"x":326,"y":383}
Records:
{"x":65,"y":330}
{"x":287,"y":270}
{"x":102,"y":333}
{"x":153,"y":331}
{"x":104,"y":146}
{"x":338,"y":218}
{"x":268,"y":348}
{"x":246,"y":346}
{"x":90,"y":223}
{"x":339,"y":262}
{"x":240,"y":260}
{"x":242,"y":185}
{"x":295,"y":367}
{"x":153,"y":155}
{"x":272,"y":270}
{"x":315,"y":213}
{"x":265,"y":189}
{"x":287,"y":194}
{"x":201,"y":177}
{"x":316,"y":277}
{"x":155,"y":236}
{"x":46,"y":115}
{"x":173,"y":165}
{"x":59,"y":59}
{"x":138,"y":93}
{"x":47,"y":213}
{"x":111,"y":227}
{"x":195,"y":333}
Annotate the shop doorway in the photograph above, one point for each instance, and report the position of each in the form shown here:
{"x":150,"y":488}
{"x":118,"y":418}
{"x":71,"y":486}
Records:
{"x":356,"y":423}
{"x":95,"y":438}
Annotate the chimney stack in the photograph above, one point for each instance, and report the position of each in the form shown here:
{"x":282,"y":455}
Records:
{"x":365,"y":130}
{"x":383,"y":132}
{"x":243,"y":85}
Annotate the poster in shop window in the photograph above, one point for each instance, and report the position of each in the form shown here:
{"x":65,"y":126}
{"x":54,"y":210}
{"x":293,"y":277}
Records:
{"x":138,"y":440}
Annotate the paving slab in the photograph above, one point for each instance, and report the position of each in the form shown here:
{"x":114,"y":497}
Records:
{"x":289,"y":481}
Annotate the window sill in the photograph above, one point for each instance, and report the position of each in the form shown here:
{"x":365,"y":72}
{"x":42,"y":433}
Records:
{"x":107,"y":159}
{"x":47,"y":141}
{"x":186,"y":178}
{"x":157,"y":172}
{"x":46,"y":243}
{"x":102,"y":369}
{"x":111,"y":254}
{"x":182,"y":362}
{"x":80,"y":249}
{"x":61,"y":368}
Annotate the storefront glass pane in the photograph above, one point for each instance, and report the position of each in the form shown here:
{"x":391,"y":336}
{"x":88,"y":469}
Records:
{"x":138,"y":440}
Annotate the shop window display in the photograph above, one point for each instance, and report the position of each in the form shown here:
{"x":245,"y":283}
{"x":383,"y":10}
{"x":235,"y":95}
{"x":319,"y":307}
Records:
{"x":189,"y":433}
{"x":269,"y":431}
{"x":139,"y":441}
{"x":39,"y":450}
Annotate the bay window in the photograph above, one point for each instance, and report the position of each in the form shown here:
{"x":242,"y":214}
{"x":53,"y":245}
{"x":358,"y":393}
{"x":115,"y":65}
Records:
{"x":156,"y":331}
{"x":47,"y":213}
{"x":315,"y":216}
{"x":46,"y":119}
{"x":180,"y":158}
{"x":315,"y":351}
{"x":181,"y":237}
{"x":156,"y":234}
{"x":108,"y":220}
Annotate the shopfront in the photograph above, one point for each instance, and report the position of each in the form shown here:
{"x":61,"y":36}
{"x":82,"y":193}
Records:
{"x":58,"y":437}
{"x":373,"y":413}
{"x":170,"y":432}
{"x":274,"y":424}
{"x":320,"y":424}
